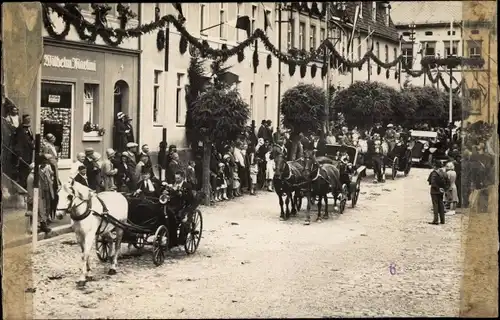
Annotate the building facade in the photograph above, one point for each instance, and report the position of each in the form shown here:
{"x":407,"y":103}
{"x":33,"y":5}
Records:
{"x":83,"y":83}
{"x":163,"y":100}
{"x":480,"y":40}
{"x":429,"y":29}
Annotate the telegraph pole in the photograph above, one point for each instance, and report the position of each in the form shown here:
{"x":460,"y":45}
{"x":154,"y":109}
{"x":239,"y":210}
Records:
{"x":451,"y":75}
{"x":327,"y":52}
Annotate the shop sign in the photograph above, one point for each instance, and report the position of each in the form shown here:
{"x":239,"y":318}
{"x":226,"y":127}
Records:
{"x":69,"y":63}
{"x":54,"y":98}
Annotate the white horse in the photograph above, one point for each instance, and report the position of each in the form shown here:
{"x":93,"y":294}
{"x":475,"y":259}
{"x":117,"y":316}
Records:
{"x":85,"y":211}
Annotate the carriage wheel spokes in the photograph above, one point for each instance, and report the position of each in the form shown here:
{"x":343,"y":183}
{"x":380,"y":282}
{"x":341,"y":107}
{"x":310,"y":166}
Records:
{"x":194,"y":231}
{"x":395,"y":164}
{"x":408,"y":163}
{"x":140,"y":241}
{"x":160,"y":245}
{"x":103,"y":248}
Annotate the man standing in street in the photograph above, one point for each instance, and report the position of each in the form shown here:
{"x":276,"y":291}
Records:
{"x":437,"y":183}
{"x":24,"y":146}
{"x":149,"y":164}
{"x":109,"y":171}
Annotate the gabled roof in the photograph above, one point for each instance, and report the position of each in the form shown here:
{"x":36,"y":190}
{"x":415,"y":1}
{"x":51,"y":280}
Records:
{"x":425,"y":12}
{"x":378,"y":26}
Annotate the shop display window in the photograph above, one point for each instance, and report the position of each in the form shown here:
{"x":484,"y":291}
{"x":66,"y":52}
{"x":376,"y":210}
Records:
{"x":56,"y":114}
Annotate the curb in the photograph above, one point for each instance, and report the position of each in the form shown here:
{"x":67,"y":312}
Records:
{"x":56,"y":231}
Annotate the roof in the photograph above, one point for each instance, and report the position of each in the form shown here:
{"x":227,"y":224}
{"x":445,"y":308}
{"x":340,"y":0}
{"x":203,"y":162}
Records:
{"x":378,"y":27}
{"x":425,"y":12}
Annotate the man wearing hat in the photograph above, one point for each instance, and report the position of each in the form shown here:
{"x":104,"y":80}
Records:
{"x":44,"y":194}
{"x":119,"y":133}
{"x":377,"y":129}
{"x":80,"y":158}
{"x":390,"y":136}
{"x":108,"y":171}
{"x":24,"y":145}
{"x":131,"y":154}
{"x":81,"y":176}
{"x":129,"y":130}
{"x":145,"y":152}
{"x":92,"y":170}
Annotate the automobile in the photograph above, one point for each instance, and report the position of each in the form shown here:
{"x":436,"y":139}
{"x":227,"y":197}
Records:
{"x":425,"y":147}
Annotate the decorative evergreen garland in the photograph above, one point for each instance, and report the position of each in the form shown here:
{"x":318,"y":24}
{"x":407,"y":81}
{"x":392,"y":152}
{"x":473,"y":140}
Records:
{"x":183,"y":45}
{"x":324,"y":71}
{"x":160,"y":40}
{"x":314,"y":68}
{"x":440,"y":78}
{"x":269,"y":61}
{"x":303,"y":70}
{"x":291,"y":68}
{"x":241,"y":56}
{"x":255,"y":57}
{"x":71,"y":15}
{"x":387,"y":74}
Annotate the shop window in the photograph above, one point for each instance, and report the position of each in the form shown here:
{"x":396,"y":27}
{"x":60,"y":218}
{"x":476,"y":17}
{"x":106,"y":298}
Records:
{"x":180,"y":99}
{"x":57,"y":105}
{"x":156,"y":96}
{"x":90,"y":103}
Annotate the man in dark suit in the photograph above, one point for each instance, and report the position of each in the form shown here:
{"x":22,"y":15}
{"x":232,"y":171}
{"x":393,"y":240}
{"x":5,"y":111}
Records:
{"x":149,"y":186}
{"x":149,"y":165}
{"x":24,"y":145}
{"x":182,"y":202}
{"x":81,"y":177}
{"x":437,"y":185}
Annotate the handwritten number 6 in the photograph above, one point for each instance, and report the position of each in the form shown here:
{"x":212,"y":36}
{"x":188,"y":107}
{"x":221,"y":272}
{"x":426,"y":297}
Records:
{"x":392,"y":268}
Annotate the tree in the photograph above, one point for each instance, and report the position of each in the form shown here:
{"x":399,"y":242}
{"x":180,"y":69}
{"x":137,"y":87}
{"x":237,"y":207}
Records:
{"x":303,"y":110}
{"x":218,"y":114}
{"x":430,"y":108}
{"x":197,"y":83}
{"x":404,"y":106}
{"x":364,"y":103}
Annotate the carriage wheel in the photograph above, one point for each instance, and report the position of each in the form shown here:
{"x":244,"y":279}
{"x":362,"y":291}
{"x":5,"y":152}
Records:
{"x":160,"y":245}
{"x":103,"y":248}
{"x":140,"y":241}
{"x":394,"y":168}
{"x":194,"y":230}
{"x":408,"y":163}
{"x":343,"y":198}
{"x":355,"y":194}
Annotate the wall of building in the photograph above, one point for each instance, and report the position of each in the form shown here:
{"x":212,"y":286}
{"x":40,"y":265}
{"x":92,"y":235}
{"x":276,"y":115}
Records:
{"x":264,"y":82}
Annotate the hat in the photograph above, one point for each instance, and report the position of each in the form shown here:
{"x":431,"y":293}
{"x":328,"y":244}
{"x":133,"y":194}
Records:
{"x":131,"y":144}
{"x":32,"y":166}
{"x":226,"y":156}
{"x":120,"y":115}
{"x":96,"y":156}
{"x":110,"y":152}
{"x":221,"y":165}
{"x":89,"y":150}
{"x":49,"y":136}
{"x":390,"y":125}
{"x":81,"y":168}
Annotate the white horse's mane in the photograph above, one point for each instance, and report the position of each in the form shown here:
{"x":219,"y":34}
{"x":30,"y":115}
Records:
{"x":77,"y":189}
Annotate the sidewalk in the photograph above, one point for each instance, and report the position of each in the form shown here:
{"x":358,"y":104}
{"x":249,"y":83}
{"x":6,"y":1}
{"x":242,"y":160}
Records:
{"x":15,"y":228}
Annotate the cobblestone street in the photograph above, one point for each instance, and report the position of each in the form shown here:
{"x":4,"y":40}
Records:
{"x":250,"y":264}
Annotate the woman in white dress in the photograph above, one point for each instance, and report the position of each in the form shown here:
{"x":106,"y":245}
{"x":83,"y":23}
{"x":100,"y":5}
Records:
{"x":269,"y":169}
{"x":451,"y":195}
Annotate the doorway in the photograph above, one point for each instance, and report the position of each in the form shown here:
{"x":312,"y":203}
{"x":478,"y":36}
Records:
{"x":121,"y":97}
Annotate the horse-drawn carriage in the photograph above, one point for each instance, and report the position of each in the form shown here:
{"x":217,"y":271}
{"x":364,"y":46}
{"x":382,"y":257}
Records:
{"x":155,"y":222}
{"x":351,"y":172}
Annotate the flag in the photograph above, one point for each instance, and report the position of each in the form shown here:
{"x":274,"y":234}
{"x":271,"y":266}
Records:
{"x":243,"y":23}
{"x":178,"y":7}
{"x":267,"y":22}
{"x":351,"y":38}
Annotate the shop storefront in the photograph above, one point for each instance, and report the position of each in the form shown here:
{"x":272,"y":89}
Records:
{"x":82,"y":90}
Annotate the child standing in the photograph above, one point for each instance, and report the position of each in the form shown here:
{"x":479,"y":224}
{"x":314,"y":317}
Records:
{"x":269,"y":169}
{"x":254,"y":170}
{"x":221,"y":184}
{"x":451,"y":195}
{"x":191,"y":174}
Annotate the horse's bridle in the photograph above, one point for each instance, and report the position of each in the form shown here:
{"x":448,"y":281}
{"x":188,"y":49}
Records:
{"x":71,"y":208}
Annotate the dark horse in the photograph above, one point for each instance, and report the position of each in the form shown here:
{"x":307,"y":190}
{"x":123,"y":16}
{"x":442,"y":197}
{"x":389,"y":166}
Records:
{"x":324,"y":177}
{"x":289,"y":179}
{"x":377,"y":149}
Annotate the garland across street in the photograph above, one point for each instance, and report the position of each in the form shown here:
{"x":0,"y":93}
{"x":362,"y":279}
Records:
{"x":88,"y":31}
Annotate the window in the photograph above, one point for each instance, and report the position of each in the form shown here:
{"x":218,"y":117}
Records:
{"x":408,"y":55}
{"x":359,"y":47}
{"x":322,"y":34}
{"x":238,"y":14}
{"x":377,"y":49}
{"x":156,"y":96}
{"x":406,"y":33}
{"x":90,"y":103}
{"x":475,"y":31}
{"x":254,"y":16}
{"x":360,"y":4}
{"x":57,"y":114}
{"x":429,"y":48}
{"x":395,"y":53}
{"x":452,"y":34}
{"x":454,"y":49}
{"x":312,"y":38}
{"x":179,"y":106}
{"x":222,"y":21}
{"x":302,"y":36}
{"x":428,"y":33}
{"x":386,"y":53}
{"x":374,"y":10}
{"x":474,"y":48}
{"x":203,"y":8}
{"x":251,"y":99}
{"x":290,"y":35}
{"x":266,"y":99}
